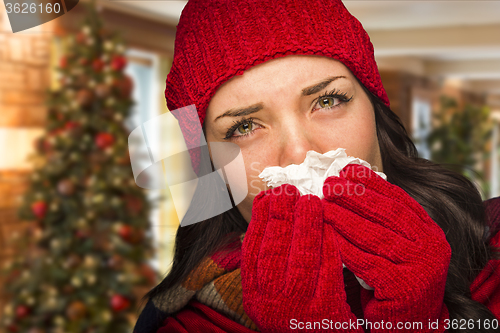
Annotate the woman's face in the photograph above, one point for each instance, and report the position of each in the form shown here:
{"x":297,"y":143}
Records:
{"x":288,"y":106}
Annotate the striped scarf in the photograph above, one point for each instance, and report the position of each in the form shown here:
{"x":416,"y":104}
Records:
{"x":215,"y":282}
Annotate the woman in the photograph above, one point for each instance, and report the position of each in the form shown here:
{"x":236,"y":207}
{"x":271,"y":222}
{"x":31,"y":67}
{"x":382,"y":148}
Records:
{"x":278,"y":79}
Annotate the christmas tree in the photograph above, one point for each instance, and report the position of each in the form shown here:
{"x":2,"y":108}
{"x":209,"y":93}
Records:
{"x":461,"y":139}
{"x":83,"y":267}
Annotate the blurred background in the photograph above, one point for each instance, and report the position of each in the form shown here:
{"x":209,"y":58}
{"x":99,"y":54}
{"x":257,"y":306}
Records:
{"x":439,"y":62}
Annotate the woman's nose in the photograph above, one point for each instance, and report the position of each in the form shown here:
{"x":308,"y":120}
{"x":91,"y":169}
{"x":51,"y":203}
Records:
{"x":296,"y":140}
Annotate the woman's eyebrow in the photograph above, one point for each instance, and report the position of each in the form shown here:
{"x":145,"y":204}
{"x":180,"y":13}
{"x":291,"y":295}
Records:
{"x":257,"y":107}
{"x":241,"y":112}
{"x":321,"y":85}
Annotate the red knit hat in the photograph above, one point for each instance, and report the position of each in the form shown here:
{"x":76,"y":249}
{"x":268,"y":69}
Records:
{"x":218,"y":39}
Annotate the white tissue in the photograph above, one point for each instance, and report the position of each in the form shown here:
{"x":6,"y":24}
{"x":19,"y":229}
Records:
{"x":310,"y":175}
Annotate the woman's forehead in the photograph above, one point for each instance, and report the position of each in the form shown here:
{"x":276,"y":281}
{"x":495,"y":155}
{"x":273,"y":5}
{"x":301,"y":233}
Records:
{"x":297,"y":71}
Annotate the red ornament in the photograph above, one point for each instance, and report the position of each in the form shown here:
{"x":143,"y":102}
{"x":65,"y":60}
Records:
{"x":119,"y":303}
{"x":46,"y":146}
{"x":82,"y":234}
{"x":126,"y":231}
{"x":134,"y":205}
{"x":83,"y":61}
{"x":104,"y":140}
{"x":56,"y":132}
{"x":118,"y":63}
{"x":13,"y":328}
{"x":148,"y":273}
{"x":80,"y":37}
{"x":13,"y":276}
{"x":36,"y":330}
{"x":39,"y":208}
{"x":22,"y":311}
{"x":73,"y":128}
{"x":63,"y":62}
{"x":85,"y":97}
{"x":98,"y":65}
{"x":39,"y":144}
{"x":76,"y":310}
{"x":104,"y":32}
{"x":116,"y":262}
{"x":124,"y":86}
{"x":102,"y":90}
{"x":71,"y":125}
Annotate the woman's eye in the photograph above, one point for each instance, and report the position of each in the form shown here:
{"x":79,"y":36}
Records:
{"x":245,"y":128}
{"x":328,"y":102}
{"x":242,"y":129}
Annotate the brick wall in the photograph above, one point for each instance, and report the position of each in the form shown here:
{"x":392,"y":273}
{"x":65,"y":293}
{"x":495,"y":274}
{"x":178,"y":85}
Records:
{"x":24,"y":77}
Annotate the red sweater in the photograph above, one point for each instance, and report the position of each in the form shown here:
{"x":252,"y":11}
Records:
{"x":197,"y":317}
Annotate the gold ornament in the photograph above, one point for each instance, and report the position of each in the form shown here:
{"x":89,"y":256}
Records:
{"x":98,"y":198}
{"x":102,"y":90}
{"x":74,"y":156}
{"x":52,"y":291}
{"x":54,"y":206}
{"x":90,"y":215}
{"x":55,"y":244}
{"x":91,"y":300}
{"x":70,"y":93}
{"x":59,"y":321}
{"x":117,"y":181}
{"x":109,"y":79}
{"x":86,"y":30}
{"x":76,"y":310}
{"x":108,"y":45}
{"x":115,"y":201}
{"x":89,"y":261}
{"x":110,"y":101}
{"x":66,"y":186}
{"x":8,"y":310}
{"x":109,"y":151}
{"x":91,"y":279}
{"x":51,"y":303}
{"x":76,"y":281}
{"x":81,"y":222}
{"x":106,"y":316}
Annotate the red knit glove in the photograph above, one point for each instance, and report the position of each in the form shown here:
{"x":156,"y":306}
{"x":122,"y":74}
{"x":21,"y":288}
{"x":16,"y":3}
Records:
{"x":291,"y":273}
{"x":387,"y":239}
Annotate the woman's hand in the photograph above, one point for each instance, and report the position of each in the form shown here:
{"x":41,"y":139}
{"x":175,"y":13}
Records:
{"x":291,"y":270}
{"x":387,"y":239}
